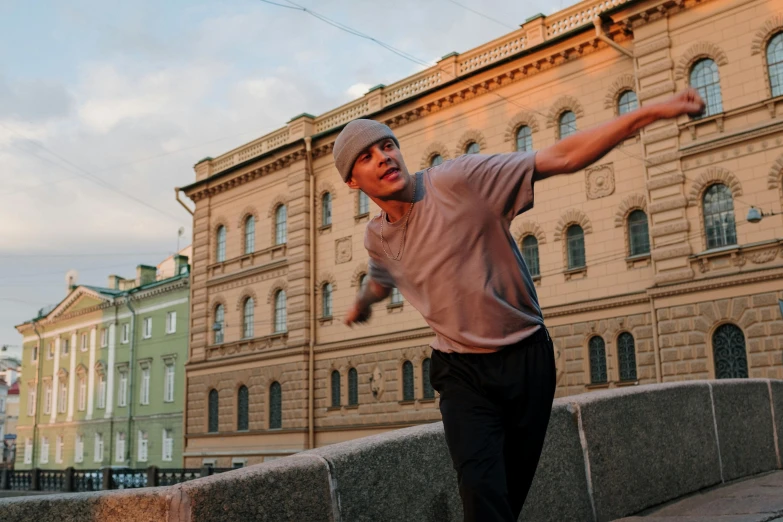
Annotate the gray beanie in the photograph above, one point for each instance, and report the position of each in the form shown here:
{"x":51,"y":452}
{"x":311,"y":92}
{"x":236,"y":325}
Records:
{"x":354,"y":138}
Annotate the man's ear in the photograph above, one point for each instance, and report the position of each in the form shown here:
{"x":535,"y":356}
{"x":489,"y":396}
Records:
{"x":352,"y":184}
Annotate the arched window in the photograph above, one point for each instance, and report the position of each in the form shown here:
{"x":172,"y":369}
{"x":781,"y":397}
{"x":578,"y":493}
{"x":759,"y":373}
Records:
{"x":407,"y":381}
{"x":576,"y":247}
{"x":217,"y":326}
{"x":243,"y":401}
{"x":705,"y":78}
{"x":220,"y":248}
{"x":436,"y":160}
{"x":353,"y":387}
{"x":364,"y":203}
{"x":524,"y":139}
{"x":638,"y":234}
{"x":530,"y":254}
{"x":212,"y":412}
{"x":597,"y":360}
{"x":335,"y":389}
{"x":626,"y":354}
{"x":326,"y":299}
{"x":281,"y":225}
{"x":627,"y":102}
{"x":426,"y":385}
{"x":396,"y":296}
{"x":281,"y":318}
{"x":326,"y":209}
{"x":775,"y":64}
{"x":728,"y":348}
{"x":250,"y":235}
{"x":472,"y":148}
{"x":248,"y":318}
{"x":567,"y":124}
{"x":275,"y":406}
{"x":718,"y":208}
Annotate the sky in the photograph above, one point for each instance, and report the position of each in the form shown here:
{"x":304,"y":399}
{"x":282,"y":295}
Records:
{"x":106,"y":106}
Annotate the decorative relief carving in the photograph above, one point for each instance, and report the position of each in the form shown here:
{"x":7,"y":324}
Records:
{"x":359,"y":271}
{"x":599,"y":181}
{"x":630,"y":203}
{"x":377,"y":383}
{"x":468,"y":137}
{"x":519,"y":231}
{"x":572,"y":216}
{"x":764,"y":256}
{"x":562,"y":104}
{"x":520,"y":119}
{"x":770,"y":27}
{"x":431,"y":151}
{"x":773,"y":177}
{"x":624,"y":83}
{"x":695,"y":52}
{"x":343,"y":250}
{"x":711,"y":176}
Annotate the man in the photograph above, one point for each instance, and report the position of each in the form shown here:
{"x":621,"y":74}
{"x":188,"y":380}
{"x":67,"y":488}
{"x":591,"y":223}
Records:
{"x":443,"y":240}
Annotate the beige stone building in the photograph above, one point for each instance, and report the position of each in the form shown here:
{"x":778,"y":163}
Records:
{"x":646,"y":266}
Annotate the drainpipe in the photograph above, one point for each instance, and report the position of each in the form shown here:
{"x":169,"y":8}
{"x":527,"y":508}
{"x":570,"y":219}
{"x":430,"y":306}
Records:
{"x":131,"y":367}
{"x":599,"y":33}
{"x":176,"y":195}
{"x":37,"y":387}
{"x":310,"y":368}
{"x":656,"y":348}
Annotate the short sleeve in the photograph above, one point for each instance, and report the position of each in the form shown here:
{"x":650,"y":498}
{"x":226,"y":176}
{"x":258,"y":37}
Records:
{"x":504,"y":181}
{"x":380,"y":275}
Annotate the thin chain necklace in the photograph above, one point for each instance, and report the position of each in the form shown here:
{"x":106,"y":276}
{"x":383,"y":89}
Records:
{"x":404,"y":227}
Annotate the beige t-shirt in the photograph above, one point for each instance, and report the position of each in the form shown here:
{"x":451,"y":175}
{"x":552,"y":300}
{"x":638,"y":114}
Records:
{"x":460,"y":266}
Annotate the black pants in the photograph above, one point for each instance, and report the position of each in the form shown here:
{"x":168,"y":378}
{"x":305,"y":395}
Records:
{"x":495,"y":410}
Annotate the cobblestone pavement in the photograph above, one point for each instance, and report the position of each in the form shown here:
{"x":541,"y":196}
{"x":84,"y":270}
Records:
{"x":758,"y":499}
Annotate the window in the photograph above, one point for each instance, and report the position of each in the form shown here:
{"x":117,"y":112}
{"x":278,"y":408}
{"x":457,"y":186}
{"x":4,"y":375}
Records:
{"x":82,"y":393}
{"x":718,"y":207}
{"x":335,"y":389}
{"x":98,"y":447}
{"x":248,"y":319}
{"x":78,"y":449}
{"x":705,"y":78}
{"x":364,"y":203}
{"x":122,"y":389}
{"x":775,"y":64}
{"x":144,"y":392}
{"x":220,"y":248}
{"x":47,"y":398}
{"x":426,"y":385}
{"x":626,"y":355}
{"x":280,"y":312}
{"x":638,"y":235}
{"x":147,"y":333}
{"x":567,"y":124}
{"x":275,"y":406}
{"x":407,"y":381}
{"x":576,"y":247}
{"x":472,"y":148}
{"x":597,"y":360}
{"x":142,"y":446}
{"x":101,"y":391}
{"x":171,"y":322}
{"x":168,"y":383}
{"x":250,"y":235}
{"x":50,"y":352}
{"x":326,"y":209}
{"x":65,"y":347}
{"x":34,"y":356}
{"x":353,"y":387}
{"x":125,"y":333}
{"x":84,"y":342}
{"x":212,"y":413}
{"x":627,"y":102}
{"x":168,"y":446}
{"x":119,"y":447}
{"x":58,"y":449}
{"x":243,"y":401}
{"x":281,"y":225}
{"x":28,"y":450}
{"x":217,"y":328}
{"x":436,"y":160}
{"x":728,"y":348}
{"x":31,"y":400}
{"x":524,"y":139}
{"x":396,"y":296}
{"x":63,"y":401}
{"x":530,"y":255}
{"x":104,"y":337}
{"x":326,"y":300}
{"x":44,"y":457}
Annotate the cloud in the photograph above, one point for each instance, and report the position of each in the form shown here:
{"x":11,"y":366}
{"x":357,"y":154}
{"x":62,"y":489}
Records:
{"x":358,"y":90}
{"x":34,"y":99}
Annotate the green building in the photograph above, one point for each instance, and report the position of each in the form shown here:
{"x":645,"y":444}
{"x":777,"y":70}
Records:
{"x":103,"y":378}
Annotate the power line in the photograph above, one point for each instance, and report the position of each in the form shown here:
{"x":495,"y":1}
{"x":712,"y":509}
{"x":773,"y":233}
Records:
{"x":484,"y":16}
{"x":122,"y":254}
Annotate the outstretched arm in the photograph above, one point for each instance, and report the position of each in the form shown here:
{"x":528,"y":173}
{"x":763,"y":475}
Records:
{"x":361,"y":309}
{"x":586,"y":147}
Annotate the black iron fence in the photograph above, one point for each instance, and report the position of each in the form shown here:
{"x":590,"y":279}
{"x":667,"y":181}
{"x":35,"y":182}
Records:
{"x":79,"y":480}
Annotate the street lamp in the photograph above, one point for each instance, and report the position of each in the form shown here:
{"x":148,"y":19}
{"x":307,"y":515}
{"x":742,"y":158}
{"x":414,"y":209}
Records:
{"x":755,"y":215}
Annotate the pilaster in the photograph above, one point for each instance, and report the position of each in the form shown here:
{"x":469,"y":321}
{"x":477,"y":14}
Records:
{"x":110,"y":371}
{"x":91,"y":373}
{"x":55,"y":379}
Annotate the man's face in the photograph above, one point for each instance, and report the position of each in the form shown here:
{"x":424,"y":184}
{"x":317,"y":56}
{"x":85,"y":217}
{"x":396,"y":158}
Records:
{"x":380,"y":171}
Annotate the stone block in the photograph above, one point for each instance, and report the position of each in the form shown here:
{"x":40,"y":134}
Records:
{"x":662,"y":314}
{"x":765,"y":299}
{"x":707,"y":310}
{"x":757,"y":330}
{"x":402,"y":475}
{"x":559,"y":489}
{"x":648,"y":445}
{"x":723,"y":308}
{"x":679,"y":312}
{"x":744,"y":420}
{"x":738,"y":307}
{"x":667,"y":327}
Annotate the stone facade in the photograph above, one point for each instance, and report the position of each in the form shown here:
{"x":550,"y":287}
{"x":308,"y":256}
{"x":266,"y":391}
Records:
{"x":671,"y":299}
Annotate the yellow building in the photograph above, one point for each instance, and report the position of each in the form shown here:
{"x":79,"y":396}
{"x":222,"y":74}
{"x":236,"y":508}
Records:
{"x":647,"y":268}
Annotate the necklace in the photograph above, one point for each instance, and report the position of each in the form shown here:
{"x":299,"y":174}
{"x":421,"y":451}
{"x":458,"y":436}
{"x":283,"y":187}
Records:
{"x":404,"y":227}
